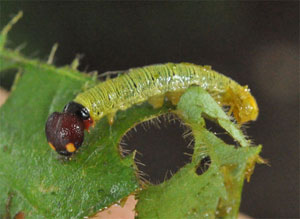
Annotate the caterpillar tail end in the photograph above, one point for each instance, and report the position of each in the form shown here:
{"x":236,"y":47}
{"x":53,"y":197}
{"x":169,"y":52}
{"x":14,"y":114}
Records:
{"x":242,"y":104}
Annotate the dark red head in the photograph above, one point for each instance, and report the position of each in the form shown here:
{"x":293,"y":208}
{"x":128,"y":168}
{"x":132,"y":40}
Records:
{"x":65,"y":131}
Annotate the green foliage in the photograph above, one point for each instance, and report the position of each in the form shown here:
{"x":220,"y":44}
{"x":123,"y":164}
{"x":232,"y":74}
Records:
{"x":41,"y":184}
{"x":216,"y":192}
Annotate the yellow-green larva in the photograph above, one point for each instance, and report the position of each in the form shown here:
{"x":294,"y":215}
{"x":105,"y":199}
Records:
{"x":150,"y":83}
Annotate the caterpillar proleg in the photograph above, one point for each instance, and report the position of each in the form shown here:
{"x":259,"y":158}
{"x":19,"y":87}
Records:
{"x":150,"y":83}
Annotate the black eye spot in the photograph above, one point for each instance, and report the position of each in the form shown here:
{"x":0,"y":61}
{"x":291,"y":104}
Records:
{"x":78,"y":109}
{"x":62,"y":129}
{"x":84,"y":113}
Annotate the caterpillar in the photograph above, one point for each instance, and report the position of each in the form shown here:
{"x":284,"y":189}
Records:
{"x":154,"y":83}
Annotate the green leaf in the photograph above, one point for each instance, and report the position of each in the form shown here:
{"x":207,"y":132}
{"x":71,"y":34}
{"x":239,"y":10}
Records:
{"x":217,"y":192}
{"x":37,"y":181}
{"x":35,"y":173}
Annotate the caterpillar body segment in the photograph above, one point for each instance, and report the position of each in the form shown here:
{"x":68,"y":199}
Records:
{"x":151,"y":83}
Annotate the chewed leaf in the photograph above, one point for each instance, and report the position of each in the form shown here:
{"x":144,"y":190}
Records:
{"x":217,"y":191}
{"x":97,"y":177}
{"x":36,"y":182}
{"x":194,"y":107}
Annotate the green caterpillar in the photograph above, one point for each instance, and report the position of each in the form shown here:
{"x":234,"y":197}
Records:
{"x":150,"y":83}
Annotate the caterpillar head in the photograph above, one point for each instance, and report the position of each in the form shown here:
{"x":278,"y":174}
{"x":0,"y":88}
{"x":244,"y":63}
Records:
{"x":245,"y":108}
{"x":65,"y":131}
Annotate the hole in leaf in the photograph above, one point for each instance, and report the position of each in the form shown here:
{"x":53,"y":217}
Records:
{"x":203,"y":165}
{"x":220,"y":133}
{"x":163,"y":145}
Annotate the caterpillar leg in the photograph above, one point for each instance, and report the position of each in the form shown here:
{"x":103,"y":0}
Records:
{"x":157,"y":101}
{"x":174,"y":96}
{"x":230,"y":111}
{"x":111,"y":118}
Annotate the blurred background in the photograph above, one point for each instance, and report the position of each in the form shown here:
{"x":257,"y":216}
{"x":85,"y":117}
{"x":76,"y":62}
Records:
{"x":255,"y":43}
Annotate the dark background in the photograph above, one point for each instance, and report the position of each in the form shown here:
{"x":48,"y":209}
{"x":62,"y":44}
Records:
{"x":255,"y":43}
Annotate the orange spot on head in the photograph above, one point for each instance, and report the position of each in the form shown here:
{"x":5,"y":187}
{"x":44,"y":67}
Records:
{"x":70,"y":147}
{"x":51,"y":146}
{"x":20,"y":215}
